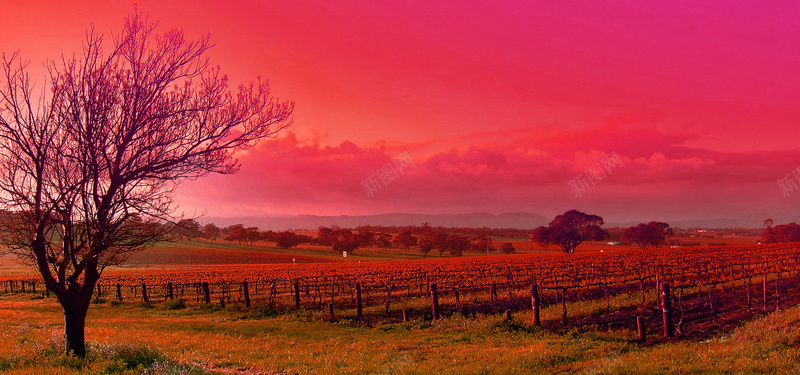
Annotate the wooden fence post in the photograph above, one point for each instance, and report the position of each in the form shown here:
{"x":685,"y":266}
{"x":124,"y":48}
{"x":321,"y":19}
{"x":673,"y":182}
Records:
{"x":435,"y":300}
{"x":765,"y":291}
{"x":119,"y":292}
{"x":297,"y":294}
{"x":206,"y":293}
{"x":641,"y":290}
{"x":330,"y":312}
{"x":246,"y":294}
{"x":508,"y":314}
{"x":536,"y":303}
{"x":658,"y":295}
{"x":749,"y":301}
{"x":170,"y":293}
{"x":144,"y":293}
{"x":388,"y":297}
{"x":640,"y":326}
{"x":777,"y":292}
{"x":405,"y":315}
{"x":359,"y":305}
{"x":666,"y":307}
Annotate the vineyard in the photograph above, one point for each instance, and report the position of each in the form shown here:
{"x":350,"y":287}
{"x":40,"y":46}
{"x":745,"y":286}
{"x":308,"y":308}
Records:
{"x":707,"y":286}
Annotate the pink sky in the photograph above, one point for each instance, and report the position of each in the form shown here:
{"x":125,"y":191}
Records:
{"x":498,"y":105}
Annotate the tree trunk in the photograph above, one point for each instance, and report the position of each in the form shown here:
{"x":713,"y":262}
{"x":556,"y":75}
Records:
{"x":75,"y":300}
{"x":74,"y":325}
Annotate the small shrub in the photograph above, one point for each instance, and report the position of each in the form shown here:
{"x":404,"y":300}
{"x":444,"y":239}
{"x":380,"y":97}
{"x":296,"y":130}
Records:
{"x":70,"y":361}
{"x":175,"y":304}
{"x":504,"y":325}
{"x":115,"y":303}
{"x":128,"y":357}
{"x":138,"y":356}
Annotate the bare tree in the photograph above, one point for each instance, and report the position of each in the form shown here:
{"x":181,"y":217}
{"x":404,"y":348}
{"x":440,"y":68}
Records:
{"x":88,"y":167}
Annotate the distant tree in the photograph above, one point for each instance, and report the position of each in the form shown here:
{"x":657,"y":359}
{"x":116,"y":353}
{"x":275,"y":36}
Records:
{"x":287,"y":239}
{"x":252,"y":235}
{"x":270,"y":236}
{"x":541,"y":235}
{"x":507,"y":248}
{"x":187,"y":229}
{"x":783,"y":233}
{"x":304,"y":238}
{"x":237,"y":233}
{"x":570,"y":229}
{"x":426,"y":245}
{"x":768,"y":236}
{"x":482,"y":244}
{"x":325,"y":236}
{"x":456,"y":244}
{"x":366,"y":238}
{"x":404,"y":240}
{"x":345,"y":240}
{"x":644,"y":235}
{"x":439,"y":240}
{"x":383,"y":240}
{"x":426,"y":230}
{"x":211,"y":231}
{"x":615,"y":234}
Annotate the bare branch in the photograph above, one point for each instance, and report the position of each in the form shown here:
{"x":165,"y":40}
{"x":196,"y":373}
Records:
{"x":88,"y":169}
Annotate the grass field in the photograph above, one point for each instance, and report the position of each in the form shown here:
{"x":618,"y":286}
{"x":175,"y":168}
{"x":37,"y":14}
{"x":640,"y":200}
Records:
{"x":198,"y":340}
{"x":173,"y":338}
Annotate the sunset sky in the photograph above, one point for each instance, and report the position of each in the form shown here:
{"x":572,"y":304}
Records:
{"x":491,"y":106}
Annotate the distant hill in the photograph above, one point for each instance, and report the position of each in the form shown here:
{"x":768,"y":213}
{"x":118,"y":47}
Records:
{"x":517,"y":220}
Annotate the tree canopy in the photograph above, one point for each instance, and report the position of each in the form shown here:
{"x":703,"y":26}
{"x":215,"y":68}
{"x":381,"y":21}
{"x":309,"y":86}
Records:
{"x":780,"y":233}
{"x":570,"y":229}
{"x":644,"y":235}
{"x":404,"y":240}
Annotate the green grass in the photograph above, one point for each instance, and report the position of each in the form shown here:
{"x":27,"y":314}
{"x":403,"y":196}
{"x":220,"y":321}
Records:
{"x":131,"y":339}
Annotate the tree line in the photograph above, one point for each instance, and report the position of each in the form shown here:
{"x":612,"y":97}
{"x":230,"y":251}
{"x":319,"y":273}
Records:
{"x":425,"y":237}
{"x":780,"y":233}
{"x":567,"y":231}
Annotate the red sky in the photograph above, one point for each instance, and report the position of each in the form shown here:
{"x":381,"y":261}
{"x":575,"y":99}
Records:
{"x":499,"y":105}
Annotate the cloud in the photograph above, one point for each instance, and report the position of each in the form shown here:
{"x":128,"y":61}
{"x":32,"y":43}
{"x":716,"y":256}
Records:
{"x":656,"y":174}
